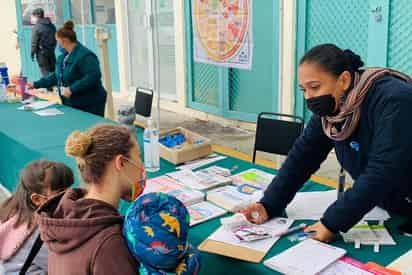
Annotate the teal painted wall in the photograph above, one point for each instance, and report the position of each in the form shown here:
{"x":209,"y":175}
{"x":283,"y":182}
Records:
{"x":378,"y":30}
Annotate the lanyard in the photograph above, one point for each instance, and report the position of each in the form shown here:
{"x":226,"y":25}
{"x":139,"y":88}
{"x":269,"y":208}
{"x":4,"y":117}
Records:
{"x":60,"y":80}
{"x":341,"y":182}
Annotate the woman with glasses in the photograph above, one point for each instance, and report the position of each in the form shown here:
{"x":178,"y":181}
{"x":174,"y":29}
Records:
{"x":83,"y":228}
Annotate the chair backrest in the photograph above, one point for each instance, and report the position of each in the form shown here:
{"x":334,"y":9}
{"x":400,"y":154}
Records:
{"x":276,"y":135}
{"x":143,"y":102}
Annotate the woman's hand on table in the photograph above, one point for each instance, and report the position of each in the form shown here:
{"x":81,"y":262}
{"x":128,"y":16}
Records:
{"x":67,"y":93}
{"x":322,"y":233}
{"x":255,"y":213}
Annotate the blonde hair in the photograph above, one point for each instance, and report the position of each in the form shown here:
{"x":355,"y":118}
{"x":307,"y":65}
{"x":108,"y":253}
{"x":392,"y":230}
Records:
{"x":97,"y":146}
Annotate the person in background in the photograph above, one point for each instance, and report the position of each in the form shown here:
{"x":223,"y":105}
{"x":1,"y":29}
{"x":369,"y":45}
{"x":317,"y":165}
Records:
{"x":83,"y":228}
{"x":39,"y":181}
{"x":77,"y":74}
{"x":43,"y":42}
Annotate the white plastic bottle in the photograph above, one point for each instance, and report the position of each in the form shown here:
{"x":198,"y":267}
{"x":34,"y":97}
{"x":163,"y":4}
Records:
{"x":151,"y":147}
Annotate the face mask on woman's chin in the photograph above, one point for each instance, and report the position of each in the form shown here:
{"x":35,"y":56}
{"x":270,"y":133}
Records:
{"x":134,"y":190}
{"x":61,"y":49}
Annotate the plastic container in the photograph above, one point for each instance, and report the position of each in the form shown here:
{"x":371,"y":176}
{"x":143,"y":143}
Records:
{"x":151,"y":147}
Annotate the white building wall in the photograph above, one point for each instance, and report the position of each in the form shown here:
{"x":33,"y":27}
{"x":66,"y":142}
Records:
{"x":8,"y":51}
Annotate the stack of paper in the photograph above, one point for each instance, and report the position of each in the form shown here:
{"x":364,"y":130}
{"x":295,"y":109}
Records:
{"x":309,"y":257}
{"x":193,"y":165}
{"x":253,"y":177}
{"x":217,"y":170}
{"x":312,"y":205}
{"x":161,"y":184}
{"x":234,"y":198}
{"x":187,"y":196}
{"x":169,"y":186}
{"x":37,"y":105}
{"x":204,"y":211}
{"x":49,"y":112}
{"x":200,"y":180}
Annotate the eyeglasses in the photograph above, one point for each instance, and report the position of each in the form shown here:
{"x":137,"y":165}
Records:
{"x":141,"y":167}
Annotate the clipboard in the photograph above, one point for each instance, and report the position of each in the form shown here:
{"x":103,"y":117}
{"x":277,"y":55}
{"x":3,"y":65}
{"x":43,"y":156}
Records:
{"x":232,"y":251}
{"x":219,"y":243}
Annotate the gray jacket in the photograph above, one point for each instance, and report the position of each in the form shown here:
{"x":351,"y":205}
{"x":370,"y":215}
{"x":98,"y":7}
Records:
{"x":43,"y":41}
{"x":39,"y":265}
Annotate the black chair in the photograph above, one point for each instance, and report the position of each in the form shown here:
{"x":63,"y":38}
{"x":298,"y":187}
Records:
{"x":143,"y":102}
{"x":276,"y":135}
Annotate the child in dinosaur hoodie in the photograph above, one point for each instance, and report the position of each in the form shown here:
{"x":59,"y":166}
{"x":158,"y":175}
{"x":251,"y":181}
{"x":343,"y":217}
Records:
{"x":156,"y":230}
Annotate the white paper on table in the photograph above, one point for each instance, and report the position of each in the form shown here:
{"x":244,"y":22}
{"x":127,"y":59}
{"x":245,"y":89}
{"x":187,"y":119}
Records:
{"x":199,"y":163}
{"x":312,"y":205}
{"x":403,"y":263}
{"x":222,"y":235}
{"x":37,"y":105}
{"x":308,"y":257}
{"x":49,"y":112}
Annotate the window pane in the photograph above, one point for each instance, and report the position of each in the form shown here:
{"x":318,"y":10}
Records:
{"x":52,"y":9}
{"x":138,"y":45}
{"x":80,"y":10}
{"x":104,"y":12}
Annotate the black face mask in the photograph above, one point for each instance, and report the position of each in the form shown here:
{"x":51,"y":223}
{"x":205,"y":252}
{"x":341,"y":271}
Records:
{"x":322,"y":105}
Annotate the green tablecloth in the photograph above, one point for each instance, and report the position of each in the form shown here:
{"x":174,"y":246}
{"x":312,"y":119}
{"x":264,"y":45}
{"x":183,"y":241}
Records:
{"x":25,"y":136}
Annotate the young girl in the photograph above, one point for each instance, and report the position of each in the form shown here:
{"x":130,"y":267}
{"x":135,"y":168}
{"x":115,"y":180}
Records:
{"x":39,"y":180}
{"x":83,"y":228}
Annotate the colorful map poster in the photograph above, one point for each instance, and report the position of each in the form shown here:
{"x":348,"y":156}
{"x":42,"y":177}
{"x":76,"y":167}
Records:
{"x":222,"y":32}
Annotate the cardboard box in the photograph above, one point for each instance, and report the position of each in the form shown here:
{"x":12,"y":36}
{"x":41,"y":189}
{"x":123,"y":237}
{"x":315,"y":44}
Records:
{"x":188,"y":151}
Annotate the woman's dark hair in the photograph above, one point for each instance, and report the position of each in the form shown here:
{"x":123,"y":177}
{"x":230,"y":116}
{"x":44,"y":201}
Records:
{"x":37,"y":177}
{"x":97,"y":146}
{"x":333,"y":59}
{"x":67,"y":31}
